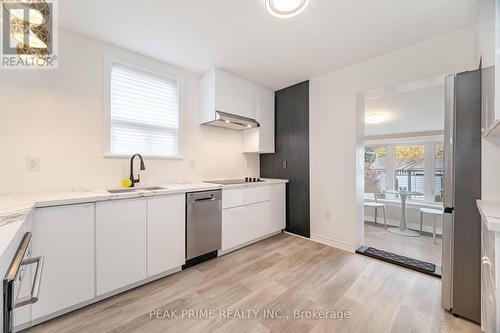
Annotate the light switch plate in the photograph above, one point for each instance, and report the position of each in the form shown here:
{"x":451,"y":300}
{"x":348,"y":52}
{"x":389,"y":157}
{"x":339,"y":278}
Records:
{"x":33,"y":164}
{"x":328,"y":214}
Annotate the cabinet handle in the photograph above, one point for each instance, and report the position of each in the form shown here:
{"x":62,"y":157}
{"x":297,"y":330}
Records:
{"x":35,"y":289}
{"x":486,"y":261}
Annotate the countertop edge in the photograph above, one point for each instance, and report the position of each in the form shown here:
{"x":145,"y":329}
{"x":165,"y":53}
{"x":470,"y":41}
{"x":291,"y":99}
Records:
{"x":489,"y":218}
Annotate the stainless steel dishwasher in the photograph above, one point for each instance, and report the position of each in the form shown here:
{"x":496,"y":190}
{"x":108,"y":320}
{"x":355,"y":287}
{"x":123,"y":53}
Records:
{"x":203,"y":226}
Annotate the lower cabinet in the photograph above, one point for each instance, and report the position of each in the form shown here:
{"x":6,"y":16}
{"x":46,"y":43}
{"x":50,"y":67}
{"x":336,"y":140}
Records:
{"x":166,"y":233}
{"x":278,"y":206}
{"x":94,"y":249}
{"x":236,"y":227}
{"x":489,"y":309}
{"x":253,"y":220}
{"x":65,"y":237}
{"x":120,"y":243}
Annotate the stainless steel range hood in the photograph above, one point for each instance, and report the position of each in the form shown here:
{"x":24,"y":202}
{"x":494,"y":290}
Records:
{"x":234,"y":122}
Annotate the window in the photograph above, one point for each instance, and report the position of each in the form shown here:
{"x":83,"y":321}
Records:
{"x":438,"y":172}
{"x":144,"y":113}
{"x":416,"y":166}
{"x":375,"y":169}
{"x":410,"y":169}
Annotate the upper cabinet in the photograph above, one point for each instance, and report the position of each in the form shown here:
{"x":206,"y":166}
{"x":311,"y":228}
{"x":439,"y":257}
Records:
{"x":261,"y":140}
{"x":232,"y":102}
{"x":490,"y":57}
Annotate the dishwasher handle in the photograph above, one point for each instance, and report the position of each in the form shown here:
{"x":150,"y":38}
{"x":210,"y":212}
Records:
{"x":204,"y":196}
{"x":205,"y":199}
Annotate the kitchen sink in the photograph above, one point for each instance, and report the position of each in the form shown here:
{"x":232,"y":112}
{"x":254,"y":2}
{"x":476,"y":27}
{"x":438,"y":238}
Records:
{"x":135,"y":189}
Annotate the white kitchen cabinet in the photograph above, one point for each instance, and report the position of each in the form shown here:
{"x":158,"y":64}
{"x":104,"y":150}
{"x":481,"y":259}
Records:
{"x":64,"y":235}
{"x":251,"y":213}
{"x":120,"y":243}
{"x":489,"y":293}
{"x":490,"y":59}
{"x":239,"y":196}
{"x":224,"y":92}
{"x":235,"y":227}
{"x":278,"y":206}
{"x":166,"y":233}
{"x":261,"y":139}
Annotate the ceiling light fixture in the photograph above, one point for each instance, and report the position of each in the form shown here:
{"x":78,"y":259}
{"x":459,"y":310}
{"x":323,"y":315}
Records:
{"x":374,"y":118}
{"x":286,"y":8}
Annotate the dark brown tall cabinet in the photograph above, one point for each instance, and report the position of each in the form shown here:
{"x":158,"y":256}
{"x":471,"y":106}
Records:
{"x":291,"y":160}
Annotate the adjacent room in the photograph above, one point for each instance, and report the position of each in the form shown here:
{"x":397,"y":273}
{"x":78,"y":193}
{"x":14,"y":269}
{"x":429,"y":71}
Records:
{"x":404,"y":170}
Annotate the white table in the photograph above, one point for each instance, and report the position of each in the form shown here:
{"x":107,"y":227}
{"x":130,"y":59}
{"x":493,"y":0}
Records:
{"x":403,"y":230}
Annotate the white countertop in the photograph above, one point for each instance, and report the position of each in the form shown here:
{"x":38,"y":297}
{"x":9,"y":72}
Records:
{"x":490,"y":214}
{"x":15,"y":208}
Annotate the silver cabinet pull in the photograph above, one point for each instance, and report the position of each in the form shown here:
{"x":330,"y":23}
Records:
{"x":35,"y":289}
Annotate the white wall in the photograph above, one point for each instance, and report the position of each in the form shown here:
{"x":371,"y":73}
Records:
{"x":58,"y":116}
{"x":336,"y":126}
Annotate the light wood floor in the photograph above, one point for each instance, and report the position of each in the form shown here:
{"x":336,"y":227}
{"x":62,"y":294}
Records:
{"x":285,"y":273}
{"x":421,"y":248}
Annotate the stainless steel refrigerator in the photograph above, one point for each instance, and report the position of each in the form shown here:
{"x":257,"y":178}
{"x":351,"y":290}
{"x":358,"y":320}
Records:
{"x":461,"y":279}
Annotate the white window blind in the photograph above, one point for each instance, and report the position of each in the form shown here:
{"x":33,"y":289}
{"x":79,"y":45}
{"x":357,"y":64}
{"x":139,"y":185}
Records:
{"x":144,"y":113}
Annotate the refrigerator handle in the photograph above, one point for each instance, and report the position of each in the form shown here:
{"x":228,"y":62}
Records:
{"x":449,"y":134}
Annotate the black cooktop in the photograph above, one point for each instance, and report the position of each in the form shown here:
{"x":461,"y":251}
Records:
{"x":235,"y":181}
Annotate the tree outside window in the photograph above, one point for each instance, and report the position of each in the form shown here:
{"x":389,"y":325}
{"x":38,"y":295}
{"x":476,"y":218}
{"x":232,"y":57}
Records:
{"x":410,"y":169}
{"x":375,"y":168}
{"x":439,"y":172}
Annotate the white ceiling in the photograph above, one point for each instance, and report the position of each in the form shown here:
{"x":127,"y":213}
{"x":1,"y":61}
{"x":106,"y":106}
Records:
{"x":412,"y":110}
{"x":241,"y":37}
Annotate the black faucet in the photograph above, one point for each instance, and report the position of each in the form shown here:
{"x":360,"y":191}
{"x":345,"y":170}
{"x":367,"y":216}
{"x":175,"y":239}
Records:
{"x":132,"y":179}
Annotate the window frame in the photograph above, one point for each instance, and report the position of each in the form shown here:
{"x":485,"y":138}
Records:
{"x":149,"y":69}
{"x":429,"y":163}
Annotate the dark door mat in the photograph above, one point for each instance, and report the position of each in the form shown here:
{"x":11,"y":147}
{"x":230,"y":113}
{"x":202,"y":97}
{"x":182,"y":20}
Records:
{"x":414,"y":264}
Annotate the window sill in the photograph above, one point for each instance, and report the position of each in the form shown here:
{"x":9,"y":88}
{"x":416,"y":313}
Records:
{"x":153,"y":157}
{"x":409,"y":204}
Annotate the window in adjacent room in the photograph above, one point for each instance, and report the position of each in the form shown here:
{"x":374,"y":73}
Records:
{"x":144,"y":113}
{"x":375,"y":167}
{"x":410,"y":169}
{"x":438,"y":172}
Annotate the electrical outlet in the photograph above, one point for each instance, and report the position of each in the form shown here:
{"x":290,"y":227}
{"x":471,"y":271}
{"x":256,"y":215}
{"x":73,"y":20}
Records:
{"x":192,"y":165}
{"x":328,"y":215}
{"x":33,"y":164}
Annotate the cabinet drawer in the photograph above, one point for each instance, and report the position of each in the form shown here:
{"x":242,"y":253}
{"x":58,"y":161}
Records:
{"x":235,"y":197}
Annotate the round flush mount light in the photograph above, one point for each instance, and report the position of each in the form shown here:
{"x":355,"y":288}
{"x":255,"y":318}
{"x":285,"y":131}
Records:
{"x":286,"y":8}
{"x":374,"y":118}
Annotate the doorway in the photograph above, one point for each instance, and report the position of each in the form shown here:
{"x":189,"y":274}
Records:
{"x":403,"y":157}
